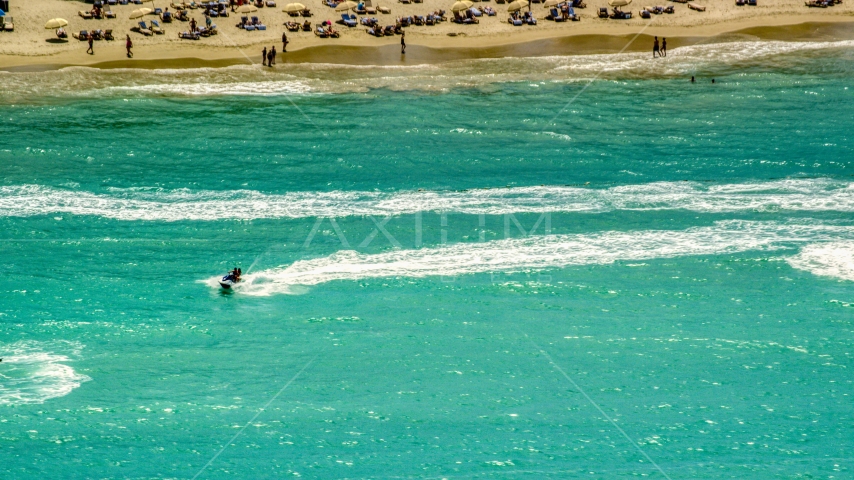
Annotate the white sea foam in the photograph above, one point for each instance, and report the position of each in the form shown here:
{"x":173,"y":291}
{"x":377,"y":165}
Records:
{"x":540,"y":252}
{"x":812,"y":195}
{"x":835,"y":259}
{"x":721,"y":58}
{"x":33,"y":372}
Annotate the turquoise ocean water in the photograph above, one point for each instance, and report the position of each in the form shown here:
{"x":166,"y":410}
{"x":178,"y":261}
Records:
{"x":484,"y":269}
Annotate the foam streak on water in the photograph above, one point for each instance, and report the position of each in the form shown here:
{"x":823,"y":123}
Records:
{"x":542,"y":252}
{"x":33,"y":372}
{"x":176,"y":205}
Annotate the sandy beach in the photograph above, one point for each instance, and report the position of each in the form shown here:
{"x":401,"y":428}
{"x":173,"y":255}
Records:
{"x":31,"y":46}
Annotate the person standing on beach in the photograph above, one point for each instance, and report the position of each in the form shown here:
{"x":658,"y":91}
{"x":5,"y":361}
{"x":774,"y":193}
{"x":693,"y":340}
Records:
{"x":264,"y":57}
{"x":272,"y":56}
{"x":403,"y":43}
{"x":129,"y":46}
{"x":284,"y":42}
{"x":663,"y":47}
{"x":655,"y":49}
{"x":91,"y":39}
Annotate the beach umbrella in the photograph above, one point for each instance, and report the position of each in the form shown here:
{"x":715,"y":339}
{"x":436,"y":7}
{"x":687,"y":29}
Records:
{"x":2,"y":13}
{"x":619,"y":3}
{"x":461,"y":6}
{"x":248,"y":8}
{"x":344,"y":6}
{"x":517,"y":5}
{"x":55,"y":23}
{"x":293,"y":7}
{"x":552,"y":3}
{"x":140,"y":12}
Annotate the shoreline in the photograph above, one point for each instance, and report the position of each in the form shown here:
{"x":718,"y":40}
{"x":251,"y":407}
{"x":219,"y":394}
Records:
{"x":422,"y":49}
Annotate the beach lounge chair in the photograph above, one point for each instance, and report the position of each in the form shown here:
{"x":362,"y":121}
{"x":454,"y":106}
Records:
{"x":188,"y":35}
{"x":751,"y":3}
{"x":143,"y":29}
{"x":489,"y":11}
{"x":97,"y":35}
{"x":369,"y":8}
{"x":305,"y":13}
{"x":82,"y":36}
{"x":645,"y":14}
{"x":555,"y":15}
{"x":621,"y":15}
{"x":515,"y":21}
{"x":694,"y":6}
{"x":112,"y":2}
{"x":375,"y":31}
{"x":740,"y":3}
{"x":86,"y":15}
{"x":346,"y":19}
{"x":156,"y":28}
{"x":123,"y":2}
{"x":292,"y":26}
{"x":108,"y":34}
{"x":603,"y":12}
{"x":385,"y":10}
{"x":405,"y":2}
{"x":166,"y":17}
{"x":271,"y":4}
{"x":109,"y":14}
{"x":306,"y":26}
{"x":669,"y":9}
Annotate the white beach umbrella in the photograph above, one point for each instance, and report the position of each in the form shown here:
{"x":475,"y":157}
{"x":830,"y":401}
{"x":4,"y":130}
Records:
{"x":517,"y":5}
{"x":248,"y":8}
{"x":461,"y":6}
{"x":344,"y":6}
{"x":55,"y":23}
{"x":140,"y":12}
{"x":293,"y":7}
{"x":619,"y":3}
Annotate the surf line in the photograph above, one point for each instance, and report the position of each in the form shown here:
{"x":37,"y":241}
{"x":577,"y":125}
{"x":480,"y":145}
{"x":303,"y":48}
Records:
{"x":259,"y":412}
{"x":592,"y":402}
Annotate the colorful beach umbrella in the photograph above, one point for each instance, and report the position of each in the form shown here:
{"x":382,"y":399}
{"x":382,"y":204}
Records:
{"x":55,"y":23}
{"x":140,"y":12}
{"x":293,"y":7}
{"x":461,"y":6}
{"x":344,"y":6}
{"x":619,"y":3}
{"x":517,"y":5}
{"x":248,"y":8}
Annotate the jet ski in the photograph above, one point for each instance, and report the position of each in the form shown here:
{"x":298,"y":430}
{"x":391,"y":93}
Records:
{"x":230,"y":279}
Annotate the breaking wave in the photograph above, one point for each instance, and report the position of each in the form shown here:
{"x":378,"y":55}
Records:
{"x":834,"y":260}
{"x":300,"y":79}
{"x":810,"y":195}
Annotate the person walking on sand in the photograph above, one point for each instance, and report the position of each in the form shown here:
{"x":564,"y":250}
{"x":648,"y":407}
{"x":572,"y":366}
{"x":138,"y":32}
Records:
{"x":655,"y":49}
{"x":284,"y":42}
{"x":264,"y":57}
{"x":663,"y":47}
{"x":129,"y":46}
{"x":273,"y":56}
{"x":91,"y":39}
{"x":403,"y":43}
